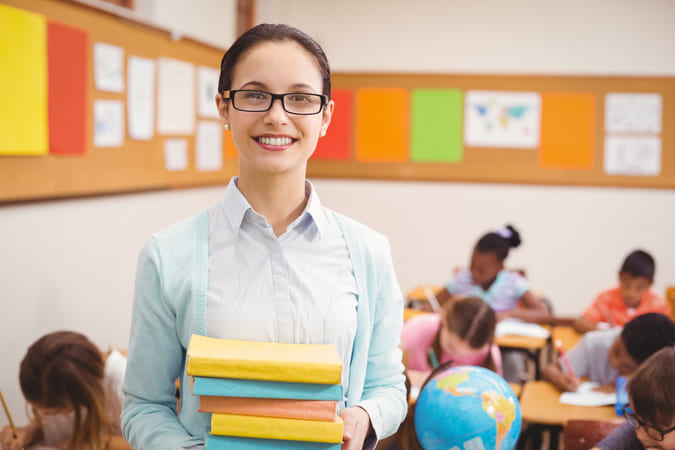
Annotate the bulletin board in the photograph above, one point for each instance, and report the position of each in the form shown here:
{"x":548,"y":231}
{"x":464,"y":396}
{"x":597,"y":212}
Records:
{"x":386,"y":126}
{"x":414,"y":127}
{"x":133,"y":164}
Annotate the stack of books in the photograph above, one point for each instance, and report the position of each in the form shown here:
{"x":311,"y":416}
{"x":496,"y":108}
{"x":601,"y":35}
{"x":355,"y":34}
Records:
{"x":267,"y":395}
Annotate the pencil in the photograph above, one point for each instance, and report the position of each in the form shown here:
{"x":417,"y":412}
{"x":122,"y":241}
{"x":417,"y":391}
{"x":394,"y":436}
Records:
{"x":9,"y":417}
{"x":568,"y":366}
{"x":432,"y":358}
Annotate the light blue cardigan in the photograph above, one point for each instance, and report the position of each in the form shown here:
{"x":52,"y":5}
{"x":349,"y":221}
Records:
{"x":170,"y":306}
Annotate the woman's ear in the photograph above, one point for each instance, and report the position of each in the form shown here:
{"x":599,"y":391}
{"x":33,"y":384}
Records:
{"x":326,"y":117}
{"x":221,"y":104}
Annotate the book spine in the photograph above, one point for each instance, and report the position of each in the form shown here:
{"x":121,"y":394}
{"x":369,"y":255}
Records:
{"x":276,"y":428}
{"x":214,"y":442}
{"x":265,"y":389}
{"x":265,"y":407}
{"x":265,"y":370}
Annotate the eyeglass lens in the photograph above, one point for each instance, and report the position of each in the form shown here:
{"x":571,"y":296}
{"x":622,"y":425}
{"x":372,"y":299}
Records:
{"x":294,"y":103}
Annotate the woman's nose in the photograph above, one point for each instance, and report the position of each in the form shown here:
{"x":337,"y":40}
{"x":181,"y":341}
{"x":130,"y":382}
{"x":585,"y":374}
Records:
{"x":276,"y":113}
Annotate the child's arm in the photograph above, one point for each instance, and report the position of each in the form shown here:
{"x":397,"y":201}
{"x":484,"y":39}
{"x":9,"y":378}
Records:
{"x":554,"y":375}
{"x":583,"y":325}
{"x":533,"y":310}
{"x":443,"y":296}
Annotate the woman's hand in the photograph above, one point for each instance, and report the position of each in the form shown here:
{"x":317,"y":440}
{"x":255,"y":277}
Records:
{"x":357,"y":425}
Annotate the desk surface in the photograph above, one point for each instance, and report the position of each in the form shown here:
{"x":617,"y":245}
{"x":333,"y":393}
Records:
{"x":539,"y":404}
{"x":521,"y":342}
{"x":567,"y":335}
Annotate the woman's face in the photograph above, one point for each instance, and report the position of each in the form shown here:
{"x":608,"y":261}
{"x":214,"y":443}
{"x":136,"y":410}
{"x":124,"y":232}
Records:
{"x":274,"y":141}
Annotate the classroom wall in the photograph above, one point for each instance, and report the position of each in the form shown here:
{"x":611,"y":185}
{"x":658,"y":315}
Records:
{"x":70,"y":264}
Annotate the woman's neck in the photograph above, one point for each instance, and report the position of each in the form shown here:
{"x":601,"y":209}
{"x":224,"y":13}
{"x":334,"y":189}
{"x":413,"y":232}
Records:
{"x":280,"y":199}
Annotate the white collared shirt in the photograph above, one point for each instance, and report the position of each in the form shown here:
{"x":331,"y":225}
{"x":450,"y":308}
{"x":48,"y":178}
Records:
{"x":295,"y":288}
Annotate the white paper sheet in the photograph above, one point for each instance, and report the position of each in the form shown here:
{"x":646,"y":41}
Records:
{"x":176,"y":154}
{"x":108,"y":67}
{"x":513,"y":327}
{"x":639,"y":113}
{"x":207,"y":90}
{"x":141,"y":98}
{"x":637,"y":156}
{"x":502,"y":119}
{"x":175,"y":97}
{"x":586,"y":396}
{"x":209,"y":146}
{"x":108,"y":123}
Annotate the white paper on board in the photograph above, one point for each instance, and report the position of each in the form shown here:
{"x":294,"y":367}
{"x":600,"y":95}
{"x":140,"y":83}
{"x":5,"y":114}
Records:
{"x":108,"y":67}
{"x":175,"y":97}
{"x":637,"y":155}
{"x":209,"y":146}
{"x":108,"y":123}
{"x":502,"y":119}
{"x":141,"y":98}
{"x":175,"y":154}
{"x":638,"y":113}
{"x":207,"y":89}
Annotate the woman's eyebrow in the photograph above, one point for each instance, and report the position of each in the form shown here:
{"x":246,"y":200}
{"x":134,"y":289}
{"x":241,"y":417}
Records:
{"x":262,"y":86}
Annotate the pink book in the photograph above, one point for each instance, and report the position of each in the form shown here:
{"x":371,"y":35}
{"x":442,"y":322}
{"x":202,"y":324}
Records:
{"x":325,"y":410}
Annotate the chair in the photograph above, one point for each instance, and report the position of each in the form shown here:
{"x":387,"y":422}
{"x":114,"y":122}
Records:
{"x":422,"y":296}
{"x":585,"y":434}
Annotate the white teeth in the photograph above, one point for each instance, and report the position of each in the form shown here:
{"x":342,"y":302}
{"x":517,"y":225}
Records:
{"x":275,"y":141}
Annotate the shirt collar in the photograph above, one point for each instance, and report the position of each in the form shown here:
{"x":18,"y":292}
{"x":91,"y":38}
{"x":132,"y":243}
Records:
{"x":314,"y":208}
{"x":235,"y":207}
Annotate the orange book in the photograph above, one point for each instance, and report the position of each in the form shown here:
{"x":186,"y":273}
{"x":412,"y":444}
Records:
{"x":270,"y":407}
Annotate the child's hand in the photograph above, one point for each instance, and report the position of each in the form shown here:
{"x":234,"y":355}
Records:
{"x":9,"y":442}
{"x":567,"y":383}
{"x":605,"y":388}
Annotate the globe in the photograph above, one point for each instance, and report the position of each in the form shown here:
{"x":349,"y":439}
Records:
{"x":467,"y":408}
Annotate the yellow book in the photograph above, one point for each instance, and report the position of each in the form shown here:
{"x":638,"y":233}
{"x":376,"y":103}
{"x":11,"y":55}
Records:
{"x":277,"y":428}
{"x":272,"y":361}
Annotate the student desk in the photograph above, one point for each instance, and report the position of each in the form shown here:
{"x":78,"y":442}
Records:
{"x":531,"y":346}
{"x":541,"y":410}
{"x":568,"y":336}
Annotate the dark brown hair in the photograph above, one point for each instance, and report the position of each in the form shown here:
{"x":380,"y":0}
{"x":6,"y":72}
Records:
{"x":472,"y":320}
{"x":271,"y":33}
{"x":652,"y":389}
{"x":65,"y":370}
{"x":497,"y":244}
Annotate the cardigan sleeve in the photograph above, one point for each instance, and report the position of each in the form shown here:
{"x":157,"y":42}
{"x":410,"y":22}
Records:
{"x":384,"y":393}
{"x":155,"y":359}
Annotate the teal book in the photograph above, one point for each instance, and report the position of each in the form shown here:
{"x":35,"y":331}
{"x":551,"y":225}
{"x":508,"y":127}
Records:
{"x":214,"y":442}
{"x":230,"y":387}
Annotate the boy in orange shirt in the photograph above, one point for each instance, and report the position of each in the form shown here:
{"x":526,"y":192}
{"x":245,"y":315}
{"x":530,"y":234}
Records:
{"x":633,"y":297}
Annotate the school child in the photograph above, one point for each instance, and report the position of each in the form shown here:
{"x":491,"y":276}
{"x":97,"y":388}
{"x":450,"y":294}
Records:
{"x":463,"y":332}
{"x":75,"y":393}
{"x":603,"y":355}
{"x":506,"y":291}
{"x":650,"y":413}
{"x":633,"y":296}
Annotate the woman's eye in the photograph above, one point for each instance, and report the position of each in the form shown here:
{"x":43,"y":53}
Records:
{"x":254,"y":95}
{"x":299,"y":98}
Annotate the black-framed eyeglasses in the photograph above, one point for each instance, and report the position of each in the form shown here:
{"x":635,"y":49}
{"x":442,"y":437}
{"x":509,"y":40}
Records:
{"x":259,"y":101}
{"x":636,"y":423}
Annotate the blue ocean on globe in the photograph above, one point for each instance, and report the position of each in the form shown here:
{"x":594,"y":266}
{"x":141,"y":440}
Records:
{"x":467,"y":408}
